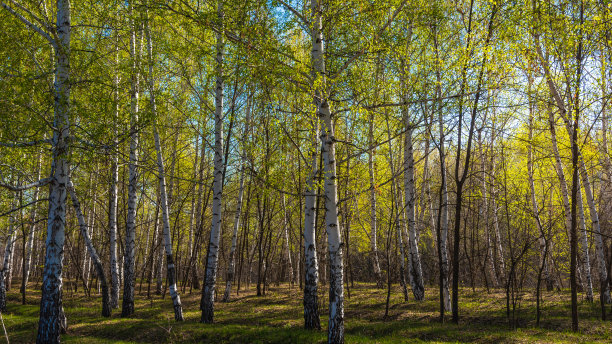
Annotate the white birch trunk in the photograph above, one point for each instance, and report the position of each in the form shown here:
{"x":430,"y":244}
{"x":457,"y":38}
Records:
{"x":586,"y":261}
{"x":415,"y":271}
{"x":127,"y":307}
{"x":311,"y":268}
{"x":443,"y":218}
{"x":287,"y":247}
{"x":210,"y":278}
{"x":49,"y":325}
{"x":373,"y":220}
{"x":112,"y":206}
{"x":599,"y":244}
{"x":336,"y":289}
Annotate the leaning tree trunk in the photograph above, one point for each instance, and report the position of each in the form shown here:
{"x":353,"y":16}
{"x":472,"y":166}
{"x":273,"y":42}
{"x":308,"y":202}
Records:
{"x":49,"y":328}
{"x":171,"y":268}
{"x":212,"y":259}
{"x":106,"y":306}
{"x":127,"y":307}
{"x":570,"y":130}
{"x":599,"y":244}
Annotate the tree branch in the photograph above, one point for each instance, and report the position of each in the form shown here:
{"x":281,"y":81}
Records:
{"x":28,"y":23}
{"x":39,"y":183}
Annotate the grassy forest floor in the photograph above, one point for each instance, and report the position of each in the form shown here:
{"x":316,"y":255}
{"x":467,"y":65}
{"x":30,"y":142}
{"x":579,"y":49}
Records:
{"x":277,"y":318}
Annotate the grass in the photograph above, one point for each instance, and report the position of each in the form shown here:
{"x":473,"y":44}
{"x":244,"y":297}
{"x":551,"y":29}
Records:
{"x":277,"y":318}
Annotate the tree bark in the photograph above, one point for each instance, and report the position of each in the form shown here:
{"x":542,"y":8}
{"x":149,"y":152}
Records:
{"x":49,"y":328}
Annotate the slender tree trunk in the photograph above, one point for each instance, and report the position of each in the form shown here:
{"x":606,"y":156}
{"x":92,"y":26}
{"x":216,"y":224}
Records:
{"x":130,"y":229}
{"x":231,"y":266}
{"x":112,"y":214}
{"x":212,"y":259}
{"x":445,"y":301}
{"x":286,"y":254}
{"x":374,"y":188}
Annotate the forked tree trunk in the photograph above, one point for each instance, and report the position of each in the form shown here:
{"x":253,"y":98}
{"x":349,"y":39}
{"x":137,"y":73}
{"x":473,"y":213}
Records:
{"x":335,"y":332}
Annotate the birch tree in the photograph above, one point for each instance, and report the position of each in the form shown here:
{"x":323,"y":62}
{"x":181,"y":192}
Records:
{"x":130,"y":227}
{"x":212,"y":259}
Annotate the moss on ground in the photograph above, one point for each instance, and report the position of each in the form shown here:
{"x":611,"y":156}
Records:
{"x":277,"y":318}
